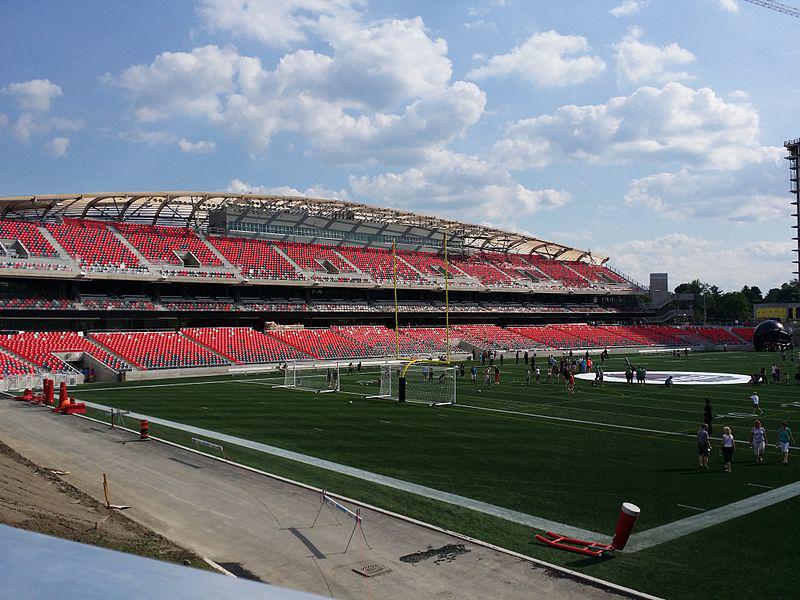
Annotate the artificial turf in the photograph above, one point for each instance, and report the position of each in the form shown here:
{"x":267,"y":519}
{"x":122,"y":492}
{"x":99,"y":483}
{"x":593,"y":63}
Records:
{"x":550,"y":454}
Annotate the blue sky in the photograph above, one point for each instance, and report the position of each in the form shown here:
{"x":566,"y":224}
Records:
{"x":647,"y":130}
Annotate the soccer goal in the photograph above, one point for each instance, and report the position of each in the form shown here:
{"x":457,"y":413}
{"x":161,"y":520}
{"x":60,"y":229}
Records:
{"x":312,"y":378}
{"x":425,"y":383}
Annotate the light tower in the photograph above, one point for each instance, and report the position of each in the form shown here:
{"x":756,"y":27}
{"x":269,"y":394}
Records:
{"x":793,"y":146}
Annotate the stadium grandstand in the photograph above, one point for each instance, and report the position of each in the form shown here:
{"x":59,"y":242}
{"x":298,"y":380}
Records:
{"x":126,"y":282}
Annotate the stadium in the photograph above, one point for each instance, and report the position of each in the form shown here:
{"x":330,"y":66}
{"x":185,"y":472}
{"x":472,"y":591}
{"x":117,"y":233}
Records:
{"x":366,"y":300}
{"x":142,"y":285}
{"x":309,"y":339}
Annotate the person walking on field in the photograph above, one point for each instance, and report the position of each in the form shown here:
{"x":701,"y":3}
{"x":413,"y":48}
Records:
{"x":708,"y":415}
{"x":570,"y":382}
{"x":756,"y":404}
{"x":703,"y":446}
{"x":497,"y":375}
{"x":728,"y":446}
{"x":758,"y":440}
{"x":785,"y":439}
{"x":528,"y":376}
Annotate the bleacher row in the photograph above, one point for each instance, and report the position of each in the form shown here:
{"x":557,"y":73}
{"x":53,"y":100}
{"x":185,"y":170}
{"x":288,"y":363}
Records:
{"x":28,"y":352}
{"x":103,"y":247}
{"x":228,"y":304}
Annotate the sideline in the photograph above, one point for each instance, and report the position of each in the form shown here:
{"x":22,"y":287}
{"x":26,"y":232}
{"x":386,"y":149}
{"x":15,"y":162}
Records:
{"x":399,"y":484}
{"x":638,"y":541}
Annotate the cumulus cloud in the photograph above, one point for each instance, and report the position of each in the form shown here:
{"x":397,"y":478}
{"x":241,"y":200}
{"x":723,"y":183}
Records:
{"x":56,"y":147}
{"x":686,"y":258}
{"x":638,"y":62}
{"x":728,"y":5}
{"x":671,"y":123}
{"x":383,"y":93}
{"x":34,"y":99}
{"x":198,"y":147}
{"x":34,"y":95}
{"x":278,"y":23}
{"x":461,"y":186}
{"x":545,"y":59}
{"x":754,"y":192}
{"x":188,"y":83}
{"x":627,"y":8}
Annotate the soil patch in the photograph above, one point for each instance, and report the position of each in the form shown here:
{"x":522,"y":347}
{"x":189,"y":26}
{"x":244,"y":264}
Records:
{"x":38,"y":499}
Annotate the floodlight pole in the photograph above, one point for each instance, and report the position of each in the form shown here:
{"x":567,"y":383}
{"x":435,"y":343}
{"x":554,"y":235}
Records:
{"x":793,"y":147}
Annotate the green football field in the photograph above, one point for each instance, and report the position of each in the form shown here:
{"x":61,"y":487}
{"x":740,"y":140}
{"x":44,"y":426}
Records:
{"x":569,"y":458}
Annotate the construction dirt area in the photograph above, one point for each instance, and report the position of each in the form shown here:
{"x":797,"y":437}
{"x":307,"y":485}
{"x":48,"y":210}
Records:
{"x":185,"y":506}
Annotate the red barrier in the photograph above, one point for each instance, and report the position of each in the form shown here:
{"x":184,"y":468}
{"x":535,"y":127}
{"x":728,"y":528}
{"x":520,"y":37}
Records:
{"x":27,"y":396}
{"x":627,"y":517}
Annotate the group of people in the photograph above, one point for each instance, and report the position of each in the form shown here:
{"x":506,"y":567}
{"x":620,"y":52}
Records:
{"x":777,"y":375}
{"x":757,"y":439}
{"x":351,"y":369}
{"x":632,"y":371}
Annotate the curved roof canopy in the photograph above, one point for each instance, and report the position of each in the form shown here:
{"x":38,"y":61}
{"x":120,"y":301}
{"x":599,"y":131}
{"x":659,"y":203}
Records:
{"x":191,"y":209}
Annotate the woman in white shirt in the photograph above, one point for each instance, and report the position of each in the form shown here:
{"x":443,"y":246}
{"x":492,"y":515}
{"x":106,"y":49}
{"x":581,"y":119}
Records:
{"x":758,"y":439}
{"x":728,"y":446}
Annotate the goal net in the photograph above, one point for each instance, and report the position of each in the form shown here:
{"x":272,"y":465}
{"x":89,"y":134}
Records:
{"x":426,"y":383}
{"x":312,"y":378}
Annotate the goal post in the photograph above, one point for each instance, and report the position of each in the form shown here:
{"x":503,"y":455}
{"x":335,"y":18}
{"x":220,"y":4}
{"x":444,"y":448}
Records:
{"x":430,"y":382}
{"x":312,"y":378}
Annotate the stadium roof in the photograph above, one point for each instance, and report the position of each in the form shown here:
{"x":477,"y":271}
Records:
{"x":192,"y":208}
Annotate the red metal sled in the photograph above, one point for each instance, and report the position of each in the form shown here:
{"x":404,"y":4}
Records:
{"x":563,"y":542}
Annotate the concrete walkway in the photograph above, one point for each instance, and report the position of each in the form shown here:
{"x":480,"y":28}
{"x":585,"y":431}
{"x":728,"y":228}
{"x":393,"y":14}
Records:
{"x":234,"y":516}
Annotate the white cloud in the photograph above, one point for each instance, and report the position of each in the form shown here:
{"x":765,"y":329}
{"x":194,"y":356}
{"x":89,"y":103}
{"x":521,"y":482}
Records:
{"x":187,"y":83}
{"x":754,"y":192}
{"x":56,"y":147}
{"x":198,"y":147}
{"x":739,"y":96}
{"x":638,"y":62}
{"x":731,"y":266}
{"x":150,"y":138}
{"x":237,"y":186}
{"x":627,"y":8}
{"x":546,"y":60}
{"x":384,"y":92}
{"x":34,"y":95}
{"x":481,"y":25}
{"x":278,"y":23}
{"x":460,"y":186}
{"x":672,"y":123}
{"x":29,"y":124}
{"x":729,"y":5}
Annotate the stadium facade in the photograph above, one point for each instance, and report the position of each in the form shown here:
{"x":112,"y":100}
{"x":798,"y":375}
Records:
{"x":96,"y":270}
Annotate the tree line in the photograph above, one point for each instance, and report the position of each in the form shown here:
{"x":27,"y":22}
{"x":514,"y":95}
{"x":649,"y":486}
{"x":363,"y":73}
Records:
{"x":713,"y":304}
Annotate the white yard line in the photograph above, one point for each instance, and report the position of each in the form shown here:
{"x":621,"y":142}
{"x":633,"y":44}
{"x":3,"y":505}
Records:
{"x":691,"y":507}
{"x":581,"y":421}
{"x":671,"y":531}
